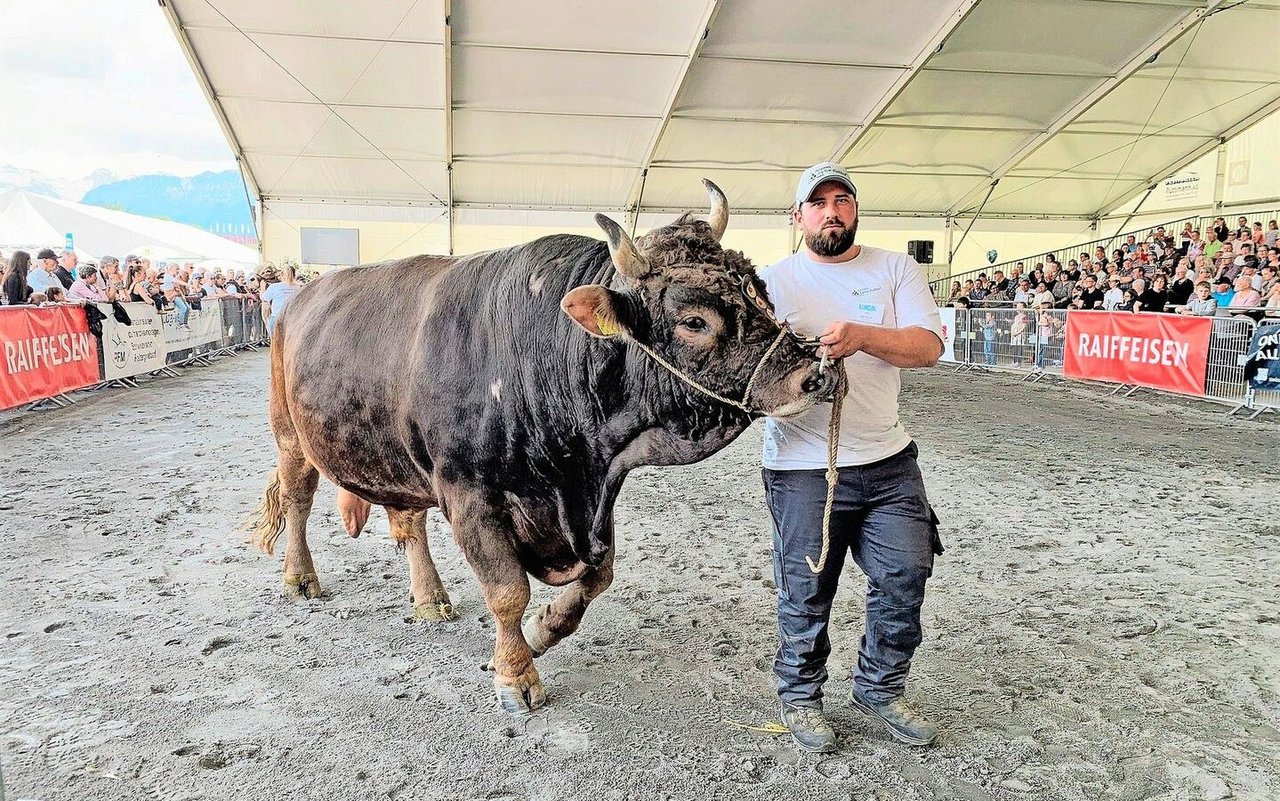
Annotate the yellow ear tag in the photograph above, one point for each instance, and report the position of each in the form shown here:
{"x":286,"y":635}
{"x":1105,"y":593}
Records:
{"x":607,"y":328}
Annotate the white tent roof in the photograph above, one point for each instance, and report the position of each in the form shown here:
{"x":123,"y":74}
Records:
{"x":1074,"y":106}
{"x":36,"y":221}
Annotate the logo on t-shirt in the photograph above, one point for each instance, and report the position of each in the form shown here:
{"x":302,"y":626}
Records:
{"x":858,"y":292}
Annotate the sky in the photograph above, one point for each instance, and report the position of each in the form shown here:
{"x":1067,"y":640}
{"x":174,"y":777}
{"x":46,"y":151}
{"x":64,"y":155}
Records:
{"x":91,"y":85}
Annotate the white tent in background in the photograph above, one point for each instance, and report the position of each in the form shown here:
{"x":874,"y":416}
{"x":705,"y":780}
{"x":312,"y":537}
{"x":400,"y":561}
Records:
{"x":36,"y":221}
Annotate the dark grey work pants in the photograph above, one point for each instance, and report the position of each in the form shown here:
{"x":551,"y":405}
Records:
{"x":882,"y":516}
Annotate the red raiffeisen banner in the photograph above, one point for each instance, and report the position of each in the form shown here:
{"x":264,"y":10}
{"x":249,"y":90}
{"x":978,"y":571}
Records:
{"x":1161,"y":351}
{"x":44,"y":352}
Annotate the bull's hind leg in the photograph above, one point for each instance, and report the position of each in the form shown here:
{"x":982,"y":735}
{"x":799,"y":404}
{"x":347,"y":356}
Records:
{"x":430,"y":600}
{"x":561,"y":617}
{"x":298,"y":480}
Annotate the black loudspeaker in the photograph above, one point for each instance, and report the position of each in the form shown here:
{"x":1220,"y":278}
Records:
{"x":921,"y":250}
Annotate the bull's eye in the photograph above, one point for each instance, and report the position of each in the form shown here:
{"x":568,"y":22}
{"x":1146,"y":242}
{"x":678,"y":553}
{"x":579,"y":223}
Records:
{"x":694,"y":324}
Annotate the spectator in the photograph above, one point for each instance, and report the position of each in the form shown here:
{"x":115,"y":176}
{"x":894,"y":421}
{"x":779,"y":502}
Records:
{"x":989,"y":338}
{"x":66,"y":269}
{"x":1273,"y":297}
{"x":1100,"y":255}
{"x":1220,"y":229}
{"x":1127,"y":300}
{"x":1090,"y":294}
{"x":1043,"y":296}
{"x":54,"y":296}
{"x":277,"y":296}
{"x":998,"y":282}
{"x":1019,"y":332}
{"x":109,"y":273}
{"x":1182,"y":287}
{"x":1272,"y":235}
{"x":43,"y":277}
{"x":1046,"y":330}
{"x":1223,"y":293}
{"x":38,"y":298}
{"x":1269,"y":276}
{"x":1114,"y":294}
{"x":137,"y":288}
{"x":1212,"y":246}
{"x":16,"y":288}
{"x":1242,"y":228}
{"x":1022,"y":292}
{"x":976,"y":294}
{"x":957,"y":290}
{"x":1153,"y":298}
{"x":88,"y":288}
{"x":1244,"y":295}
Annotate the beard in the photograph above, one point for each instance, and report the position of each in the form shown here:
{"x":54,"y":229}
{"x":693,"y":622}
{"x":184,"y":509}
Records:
{"x":831,"y":242}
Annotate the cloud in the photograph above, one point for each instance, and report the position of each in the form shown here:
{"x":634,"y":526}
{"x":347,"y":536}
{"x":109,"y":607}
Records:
{"x":101,"y":84}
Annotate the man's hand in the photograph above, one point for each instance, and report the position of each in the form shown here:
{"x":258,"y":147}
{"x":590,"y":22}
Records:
{"x":843,"y":339}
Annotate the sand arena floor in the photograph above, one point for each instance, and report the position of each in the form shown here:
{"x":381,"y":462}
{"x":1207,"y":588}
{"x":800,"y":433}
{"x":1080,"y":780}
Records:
{"x":1104,"y":625}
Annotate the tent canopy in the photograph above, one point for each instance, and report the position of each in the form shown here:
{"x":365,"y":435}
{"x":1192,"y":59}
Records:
{"x":1074,"y":106}
{"x":35,"y":221}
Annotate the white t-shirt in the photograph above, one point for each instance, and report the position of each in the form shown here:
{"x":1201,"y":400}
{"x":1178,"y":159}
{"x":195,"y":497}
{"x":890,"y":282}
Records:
{"x":878,"y":287}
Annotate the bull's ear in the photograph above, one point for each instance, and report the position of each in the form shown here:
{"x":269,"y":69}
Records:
{"x":627,"y":258}
{"x":596,"y":309}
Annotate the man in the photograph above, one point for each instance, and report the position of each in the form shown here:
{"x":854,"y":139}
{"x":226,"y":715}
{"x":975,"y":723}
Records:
{"x":872,"y":308}
{"x":66,"y":270}
{"x":1090,"y":294}
{"x":999,"y":282}
{"x":1182,"y":286}
{"x":87,"y":288}
{"x":1223,"y":293}
{"x":1212,"y":245}
{"x":42,"y":277}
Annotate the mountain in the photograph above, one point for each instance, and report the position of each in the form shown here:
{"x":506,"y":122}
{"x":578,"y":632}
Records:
{"x":12,"y":177}
{"x":206,"y":200}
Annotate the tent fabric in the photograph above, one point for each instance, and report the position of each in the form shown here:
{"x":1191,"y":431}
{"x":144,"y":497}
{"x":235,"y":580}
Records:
{"x":35,"y":221}
{"x":1074,"y":106}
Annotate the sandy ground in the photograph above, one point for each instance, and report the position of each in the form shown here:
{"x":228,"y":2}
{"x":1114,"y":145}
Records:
{"x":1104,"y":624}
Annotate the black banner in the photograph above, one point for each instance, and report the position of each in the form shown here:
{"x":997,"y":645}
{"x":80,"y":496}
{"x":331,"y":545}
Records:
{"x":1262,"y":363}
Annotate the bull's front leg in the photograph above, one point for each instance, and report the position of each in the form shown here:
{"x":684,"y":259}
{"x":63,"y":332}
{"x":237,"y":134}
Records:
{"x":516,"y":681}
{"x":560,"y":618}
{"x":487,"y":544}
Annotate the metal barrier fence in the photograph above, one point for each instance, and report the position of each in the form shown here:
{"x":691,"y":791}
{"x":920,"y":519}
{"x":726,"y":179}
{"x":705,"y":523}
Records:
{"x":1032,"y":343}
{"x":1022,"y":340}
{"x":240,"y":327}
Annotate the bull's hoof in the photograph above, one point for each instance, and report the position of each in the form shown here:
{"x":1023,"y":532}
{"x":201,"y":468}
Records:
{"x":302,"y":586}
{"x":522,"y":694}
{"x":434,"y":612}
{"x":533,"y":633}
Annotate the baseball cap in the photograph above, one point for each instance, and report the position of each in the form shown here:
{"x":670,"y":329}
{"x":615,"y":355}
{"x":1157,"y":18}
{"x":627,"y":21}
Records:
{"x":46,"y":254}
{"x":819,"y":174}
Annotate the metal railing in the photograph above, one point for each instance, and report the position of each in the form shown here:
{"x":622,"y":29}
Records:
{"x":1031,"y":342}
{"x":942,"y":286}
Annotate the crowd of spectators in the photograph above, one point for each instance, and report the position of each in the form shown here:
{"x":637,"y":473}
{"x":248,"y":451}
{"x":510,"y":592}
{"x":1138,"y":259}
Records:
{"x":169,"y":286}
{"x":1226,"y":270}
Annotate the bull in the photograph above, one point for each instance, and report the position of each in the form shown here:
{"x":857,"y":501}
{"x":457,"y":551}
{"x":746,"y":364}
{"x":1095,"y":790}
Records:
{"x":514,"y":390}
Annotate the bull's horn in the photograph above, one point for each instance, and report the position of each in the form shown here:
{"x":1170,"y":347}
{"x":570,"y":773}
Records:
{"x":626,"y":257}
{"x":719,"y":209}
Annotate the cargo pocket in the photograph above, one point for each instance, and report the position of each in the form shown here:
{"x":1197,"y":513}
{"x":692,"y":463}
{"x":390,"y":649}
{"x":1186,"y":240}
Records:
{"x":934,"y":538}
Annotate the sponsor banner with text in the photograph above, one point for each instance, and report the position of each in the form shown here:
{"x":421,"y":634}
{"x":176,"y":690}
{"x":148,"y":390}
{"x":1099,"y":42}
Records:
{"x":1161,"y":351}
{"x":44,"y":352}
{"x":129,"y":350}
{"x":202,"y":326}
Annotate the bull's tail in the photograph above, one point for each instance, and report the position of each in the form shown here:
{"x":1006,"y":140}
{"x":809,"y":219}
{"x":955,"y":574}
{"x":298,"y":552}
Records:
{"x":267,"y":522}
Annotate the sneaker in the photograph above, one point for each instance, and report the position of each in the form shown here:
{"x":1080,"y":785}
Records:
{"x":809,"y":728}
{"x":904,"y":722}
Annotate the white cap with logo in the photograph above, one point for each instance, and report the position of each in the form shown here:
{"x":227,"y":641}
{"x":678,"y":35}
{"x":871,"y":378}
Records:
{"x":820,"y":174}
